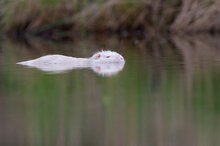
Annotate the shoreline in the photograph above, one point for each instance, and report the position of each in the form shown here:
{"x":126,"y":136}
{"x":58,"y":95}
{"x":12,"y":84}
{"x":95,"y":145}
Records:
{"x":127,"y":18}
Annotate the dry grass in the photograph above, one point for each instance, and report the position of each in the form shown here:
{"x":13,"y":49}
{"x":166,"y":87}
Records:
{"x":197,"y":15}
{"x":63,"y":17}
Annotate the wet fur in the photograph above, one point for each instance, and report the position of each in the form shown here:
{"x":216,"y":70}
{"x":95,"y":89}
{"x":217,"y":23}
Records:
{"x":99,"y":57}
{"x":61,"y":63}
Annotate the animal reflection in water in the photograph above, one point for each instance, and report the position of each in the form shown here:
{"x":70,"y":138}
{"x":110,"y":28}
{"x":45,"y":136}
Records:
{"x":104,"y":63}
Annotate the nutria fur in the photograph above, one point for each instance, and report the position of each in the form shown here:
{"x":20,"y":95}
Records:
{"x":110,"y":62}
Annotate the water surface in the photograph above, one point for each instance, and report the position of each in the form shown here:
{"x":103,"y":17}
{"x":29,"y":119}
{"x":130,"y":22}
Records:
{"x":167,"y":94}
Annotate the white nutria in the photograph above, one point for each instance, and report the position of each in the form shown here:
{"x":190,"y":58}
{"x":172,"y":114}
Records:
{"x":110,"y":62}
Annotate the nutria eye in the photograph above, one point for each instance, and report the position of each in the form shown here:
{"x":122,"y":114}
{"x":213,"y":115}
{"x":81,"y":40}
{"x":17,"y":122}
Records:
{"x":107,"y":56}
{"x":97,"y":56}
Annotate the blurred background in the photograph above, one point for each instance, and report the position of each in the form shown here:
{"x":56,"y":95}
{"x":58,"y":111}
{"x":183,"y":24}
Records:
{"x":167,"y":94}
{"x":68,"y":18}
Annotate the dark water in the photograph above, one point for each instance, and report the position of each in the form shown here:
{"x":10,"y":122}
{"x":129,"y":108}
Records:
{"x":167,"y":94}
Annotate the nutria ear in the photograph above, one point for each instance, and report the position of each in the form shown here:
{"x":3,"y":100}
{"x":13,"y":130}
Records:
{"x":97,"y":56}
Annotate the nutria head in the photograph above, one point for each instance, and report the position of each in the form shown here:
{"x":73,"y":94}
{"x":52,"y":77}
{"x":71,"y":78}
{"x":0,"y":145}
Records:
{"x":107,"y":57}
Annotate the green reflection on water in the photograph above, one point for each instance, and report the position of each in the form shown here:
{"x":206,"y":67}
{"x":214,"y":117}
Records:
{"x":166,"y":95}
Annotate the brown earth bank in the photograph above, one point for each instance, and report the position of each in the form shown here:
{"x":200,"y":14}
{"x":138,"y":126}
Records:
{"x":61,"y":19}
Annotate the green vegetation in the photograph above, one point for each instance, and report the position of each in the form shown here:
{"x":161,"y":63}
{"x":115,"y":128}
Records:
{"x":63,"y":17}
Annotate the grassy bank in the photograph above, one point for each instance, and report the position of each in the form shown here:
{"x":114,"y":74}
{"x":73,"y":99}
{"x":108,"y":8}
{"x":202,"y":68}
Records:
{"x":68,"y":17}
